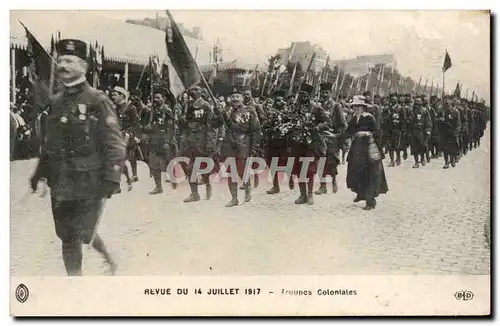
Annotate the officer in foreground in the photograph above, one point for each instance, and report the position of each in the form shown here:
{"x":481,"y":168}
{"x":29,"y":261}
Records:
{"x":82,"y":157}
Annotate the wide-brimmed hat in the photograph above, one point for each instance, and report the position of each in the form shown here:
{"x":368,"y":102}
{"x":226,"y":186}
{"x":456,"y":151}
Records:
{"x":121,"y":90}
{"x":359,"y":100}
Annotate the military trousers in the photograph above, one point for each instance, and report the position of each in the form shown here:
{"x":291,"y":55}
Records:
{"x":75,"y":220}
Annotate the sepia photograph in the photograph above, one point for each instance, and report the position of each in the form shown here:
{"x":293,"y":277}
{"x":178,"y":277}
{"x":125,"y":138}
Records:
{"x":168,"y":153}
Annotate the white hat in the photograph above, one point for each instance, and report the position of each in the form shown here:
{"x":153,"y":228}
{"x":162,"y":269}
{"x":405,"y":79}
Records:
{"x":359,"y":100}
{"x":121,"y":90}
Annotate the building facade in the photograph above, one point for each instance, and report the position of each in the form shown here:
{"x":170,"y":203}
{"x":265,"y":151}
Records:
{"x":361,"y":65}
{"x":303,"y":53}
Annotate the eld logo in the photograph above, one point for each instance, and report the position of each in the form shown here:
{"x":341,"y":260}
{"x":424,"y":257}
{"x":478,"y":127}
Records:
{"x":22,"y":293}
{"x":464,"y":295}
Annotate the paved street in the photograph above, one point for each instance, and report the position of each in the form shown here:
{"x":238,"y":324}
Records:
{"x":431,"y":222}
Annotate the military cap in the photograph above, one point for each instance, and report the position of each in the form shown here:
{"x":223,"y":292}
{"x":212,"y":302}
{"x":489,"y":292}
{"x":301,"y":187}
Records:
{"x":72,"y":47}
{"x":393,"y":94}
{"x":376,"y":96}
{"x":280,"y":93}
{"x":434,"y":97}
{"x":306,"y":88}
{"x":326,"y":86}
{"x":236,"y":90}
{"x":367,"y":94}
{"x":407,"y":95}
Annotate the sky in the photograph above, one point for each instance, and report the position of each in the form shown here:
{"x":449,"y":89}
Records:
{"x":418,"y":39}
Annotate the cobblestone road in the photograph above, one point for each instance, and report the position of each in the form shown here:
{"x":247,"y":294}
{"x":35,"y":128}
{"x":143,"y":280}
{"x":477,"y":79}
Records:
{"x":431,"y":222}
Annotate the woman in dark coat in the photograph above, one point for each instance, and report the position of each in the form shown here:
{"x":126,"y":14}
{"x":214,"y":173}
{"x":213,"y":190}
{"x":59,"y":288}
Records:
{"x":241,"y":141}
{"x":365,"y":171}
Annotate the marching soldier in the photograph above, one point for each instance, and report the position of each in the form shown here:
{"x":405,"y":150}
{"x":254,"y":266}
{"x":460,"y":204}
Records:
{"x":419,"y":131}
{"x":394,"y":125}
{"x":465,"y":121}
{"x":434,"y":144}
{"x":277,"y":136}
{"x":161,"y":134}
{"x":337,"y":127}
{"x":250,"y":102}
{"x":199,"y":139}
{"x":311,"y":121}
{"x":407,"y":105}
{"x":131,"y":127}
{"x":425,"y":104}
{"x":449,"y":127}
{"x":241,"y":141}
{"x":82,"y":157}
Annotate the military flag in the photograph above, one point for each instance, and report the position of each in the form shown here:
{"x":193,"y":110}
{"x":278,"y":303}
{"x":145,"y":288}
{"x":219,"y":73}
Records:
{"x":447,"y":61}
{"x":185,"y":72}
{"x":40,"y":70}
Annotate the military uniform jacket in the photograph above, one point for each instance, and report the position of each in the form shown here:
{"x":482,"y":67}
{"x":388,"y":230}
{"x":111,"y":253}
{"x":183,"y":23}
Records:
{"x":243,"y":133}
{"x":420,"y":123}
{"x":84,"y":144}
{"x":449,"y":123}
{"x":129,"y":119}
{"x":394,"y":119}
{"x":338,"y":126}
{"x":162,"y":129}
{"x":464,"y":119}
{"x":317,"y":116}
{"x":198,"y":126}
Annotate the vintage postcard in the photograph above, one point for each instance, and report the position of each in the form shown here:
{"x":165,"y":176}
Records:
{"x":250,"y":163}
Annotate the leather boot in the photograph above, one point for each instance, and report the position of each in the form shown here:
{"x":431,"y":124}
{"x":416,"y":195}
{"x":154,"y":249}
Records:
{"x":209,"y":190}
{"x":255,"y":181}
{"x":233,"y":189}
{"x":158,"y":189}
{"x":322,"y":189}
{"x":335,"y":187}
{"x":276,"y":186}
{"x":310,"y":194}
{"x":194,"y":196}
{"x":303,"y":194}
{"x":248,"y":194}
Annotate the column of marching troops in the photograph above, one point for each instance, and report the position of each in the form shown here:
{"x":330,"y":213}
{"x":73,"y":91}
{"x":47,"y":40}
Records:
{"x":243,"y":127}
{"x":88,"y":137}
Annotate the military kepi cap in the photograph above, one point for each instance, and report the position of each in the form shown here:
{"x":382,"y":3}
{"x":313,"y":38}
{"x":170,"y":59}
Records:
{"x":279,"y":93}
{"x":306,"y":88}
{"x":326,"y":86}
{"x":72,"y":47}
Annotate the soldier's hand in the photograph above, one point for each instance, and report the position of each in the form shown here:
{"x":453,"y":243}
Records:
{"x":109,"y":188}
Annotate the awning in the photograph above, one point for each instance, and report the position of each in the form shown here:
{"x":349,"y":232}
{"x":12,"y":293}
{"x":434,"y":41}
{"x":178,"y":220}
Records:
{"x":122,"y":42}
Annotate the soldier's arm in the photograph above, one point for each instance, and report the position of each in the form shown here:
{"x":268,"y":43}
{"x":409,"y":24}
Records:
{"x":428,"y":122}
{"x":342,"y":123}
{"x":170,"y":123}
{"x":325,"y":122}
{"x":111,"y":147}
{"x":255,"y":130}
{"x":136,"y":122}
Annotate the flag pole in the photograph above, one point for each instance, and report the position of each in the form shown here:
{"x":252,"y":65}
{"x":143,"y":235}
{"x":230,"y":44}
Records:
{"x":52,"y":73}
{"x":13,"y":76}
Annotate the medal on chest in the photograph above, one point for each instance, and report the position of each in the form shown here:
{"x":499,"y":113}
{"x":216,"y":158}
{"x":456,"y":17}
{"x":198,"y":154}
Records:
{"x":198,"y":113}
{"x":242,"y":117}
